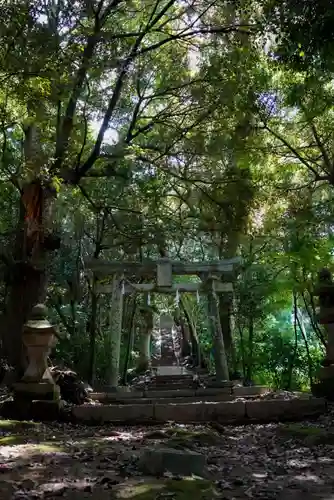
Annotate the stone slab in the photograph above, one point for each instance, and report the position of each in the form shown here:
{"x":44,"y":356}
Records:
{"x":115,"y":396}
{"x":224,"y":411}
{"x":308,"y":407}
{"x":147,"y":400}
{"x":254,"y":390}
{"x":169,"y":387}
{"x":119,"y":389}
{"x":156,"y":461}
{"x":326,"y":372}
{"x":217,"y":383}
{"x":213,"y":391}
{"x":167,"y":378}
{"x":36,"y":391}
{"x":112,"y":413}
{"x":200,"y":412}
{"x":278,"y":409}
{"x":177,"y":393}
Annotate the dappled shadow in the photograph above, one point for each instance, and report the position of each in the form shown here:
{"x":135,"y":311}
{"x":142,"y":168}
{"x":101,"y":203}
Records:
{"x":260,"y":461}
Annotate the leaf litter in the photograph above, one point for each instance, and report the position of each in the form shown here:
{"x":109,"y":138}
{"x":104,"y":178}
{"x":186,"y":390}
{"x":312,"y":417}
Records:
{"x":273,"y":461}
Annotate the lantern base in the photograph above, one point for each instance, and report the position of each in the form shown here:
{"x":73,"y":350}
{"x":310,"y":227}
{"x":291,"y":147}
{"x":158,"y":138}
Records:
{"x":32,"y":410}
{"x":32,"y":391}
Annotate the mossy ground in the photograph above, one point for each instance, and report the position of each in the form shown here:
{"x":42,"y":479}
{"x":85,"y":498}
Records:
{"x":16,"y":432}
{"x":185,"y":489}
{"x":311,"y":436}
{"x":180,"y":437}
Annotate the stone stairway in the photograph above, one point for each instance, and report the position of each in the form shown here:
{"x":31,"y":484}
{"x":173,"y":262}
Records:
{"x":171,"y":393}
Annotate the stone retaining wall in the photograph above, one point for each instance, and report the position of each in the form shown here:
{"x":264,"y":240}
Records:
{"x":238,"y":412}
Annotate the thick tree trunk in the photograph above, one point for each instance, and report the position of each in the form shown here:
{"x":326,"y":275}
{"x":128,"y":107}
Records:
{"x":27,"y":277}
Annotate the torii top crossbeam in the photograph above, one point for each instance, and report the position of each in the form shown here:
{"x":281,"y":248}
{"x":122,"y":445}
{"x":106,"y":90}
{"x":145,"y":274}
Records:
{"x":149,"y":267}
{"x":163,"y":270}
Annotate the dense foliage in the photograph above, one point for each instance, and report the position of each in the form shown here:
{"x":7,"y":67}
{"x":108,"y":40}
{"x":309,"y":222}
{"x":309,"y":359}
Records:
{"x":197,"y":130}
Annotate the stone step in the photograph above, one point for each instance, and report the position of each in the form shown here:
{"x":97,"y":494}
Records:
{"x":149,"y":400}
{"x":170,"y":378}
{"x":167,"y":387}
{"x":229,"y":412}
{"x":152,"y":394}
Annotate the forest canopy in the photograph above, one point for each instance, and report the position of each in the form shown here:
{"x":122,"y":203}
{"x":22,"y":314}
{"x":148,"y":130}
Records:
{"x":195,"y":130}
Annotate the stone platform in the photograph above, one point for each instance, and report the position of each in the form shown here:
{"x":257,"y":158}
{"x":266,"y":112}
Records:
{"x":226,"y":412}
{"x":187,"y":399}
{"x":178,"y":395}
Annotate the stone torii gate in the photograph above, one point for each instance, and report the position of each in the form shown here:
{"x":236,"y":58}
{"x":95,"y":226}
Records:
{"x":216,"y":277}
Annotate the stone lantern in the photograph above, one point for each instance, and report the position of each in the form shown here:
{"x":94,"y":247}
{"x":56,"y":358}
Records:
{"x":38,"y":338}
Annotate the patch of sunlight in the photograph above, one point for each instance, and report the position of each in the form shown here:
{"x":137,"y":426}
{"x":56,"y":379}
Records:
{"x":184,"y":489}
{"x":12,"y":440}
{"x":309,"y":477}
{"x":302,"y":430}
{"x":145,"y":491}
{"x":299,"y":464}
{"x":324,"y":460}
{"x":18,"y":424}
{"x":27,"y":449}
{"x":47,"y":448}
{"x":260,"y":475}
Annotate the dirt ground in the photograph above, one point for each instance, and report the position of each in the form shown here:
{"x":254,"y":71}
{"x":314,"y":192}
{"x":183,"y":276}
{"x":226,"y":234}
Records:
{"x":276,"y":461}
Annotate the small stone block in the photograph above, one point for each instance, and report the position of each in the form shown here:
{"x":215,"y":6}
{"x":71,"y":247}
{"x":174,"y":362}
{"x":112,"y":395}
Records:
{"x":115,"y":396}
{"x":224,"y":411}
{"x":200,"y":412}
{"x":112,"y":413}
{"x":119,"y":389}
{"x":36,"y":391}
{"x":177,"y":393}
{"x":45,"y":410}
{"x":284,"y":409}
{"x":164,"y":273}
{"x":212,"y":391}
{"x":156,"y":461}
{"x":326,"y":372}
{"x":308,"y":407}
{"x":183,"y":412}
{"x":267,"y":410}
{"x":218,"y":383}
{"x":254,"y":390}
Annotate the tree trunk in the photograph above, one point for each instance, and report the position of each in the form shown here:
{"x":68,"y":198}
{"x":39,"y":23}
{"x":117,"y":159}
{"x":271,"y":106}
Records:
{"x":250,"y":349}
{"x":225,"y":313}
{"x":185,"y":339}
{"x":115,"y":335}
{"x":27,"y":271}
{"x":222,"y":372}
{"x":129,"y":347}
{"x":92,"y":336}
{"x":195,"y":345}
{"x":242,"y":349}
{"x":144,"y":361}
{"x":288,"y":383}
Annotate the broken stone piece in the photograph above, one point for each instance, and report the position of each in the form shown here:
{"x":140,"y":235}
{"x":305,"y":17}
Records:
{"x":179,"y":462}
